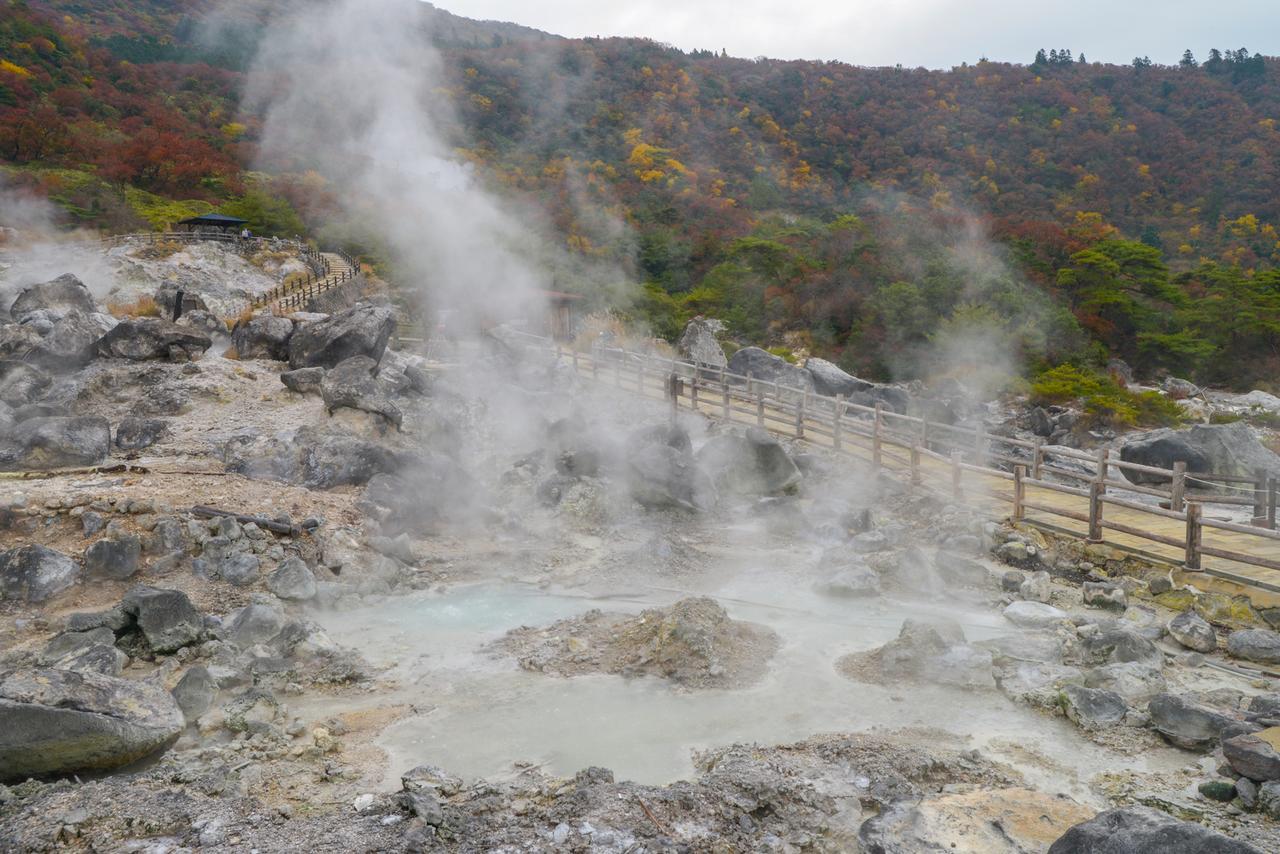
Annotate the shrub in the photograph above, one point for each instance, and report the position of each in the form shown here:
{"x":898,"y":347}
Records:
{"x":141,"y":307}
{"x":1106,"y":402}
{"x":784,"y":352}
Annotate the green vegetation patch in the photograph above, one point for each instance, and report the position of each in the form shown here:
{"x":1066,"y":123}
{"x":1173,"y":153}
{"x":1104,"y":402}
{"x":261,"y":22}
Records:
{"x":1106,"y":403}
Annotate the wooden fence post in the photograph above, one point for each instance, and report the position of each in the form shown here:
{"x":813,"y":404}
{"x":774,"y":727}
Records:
{"x":956,"y":473}
{"x":877,"y":424}
{"x":1037,"y":459}
{"x":575,"y":362}
{"x":1095,"y":512}
{"x":837,"y":422}
{"x":693,"y":392}
{"x":1260,"y":497}
{"x":760,"y":409}
{"x":800,"y":416}
{"x":724,"y":389}
{"x":1019,"y":492}
{"x":980,"y":443}
{"x":1103,"y":464}
{"x":1271,"y":503}
{"x":1192,"y":560}
{"x":1178,"y":487}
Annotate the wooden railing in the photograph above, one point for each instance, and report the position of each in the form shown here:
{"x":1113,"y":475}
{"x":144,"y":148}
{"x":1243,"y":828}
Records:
{"x":920,"y":449}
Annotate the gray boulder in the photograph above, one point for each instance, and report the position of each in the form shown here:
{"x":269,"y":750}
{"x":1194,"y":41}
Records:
{"x":17,"y":340}
{"x":698,"y":343}
{"x":292,"y":580}
{"x":830,"y":380}
{"x":1254,"y":755}
{"x":56,"y":722}
{"x":750,"y":463}
{"x":68,"y":344}
{"x":54,"y":298}
{"x":142,"y":338}
{"x":1034,"y":615}
{"x":763,"y":365}
{"x":360,"y":331}
{"x":1139,"y":830}
{"x":55,"y":442}
{"x":1102,"y":594}
{"x":1118,"y":644}
{"x":116,"y":558}
{"x":34,"y":573}
{"x":1136,"y":682}
{"x":660,"y":476}
{"x":1206,"y":448}
{"x":1193,"y":631}
{"x":1258,"y":645}
{"x":852,"y":582}
{"x":21,"y":383}
{"x":1092,"y":708}
{"x":240,"y":569}
{"x":1193,"y":725}
{"x":254,"y":624}
{"x":264,"y":336}
{"x":303,"y":380}
{"x":1269,"y":799}
{"x":134,"y":434}
{"x":354,"y":384}
{"x":166,"y":618}
{"x":195,"y":692}
{"x":312,"y":457}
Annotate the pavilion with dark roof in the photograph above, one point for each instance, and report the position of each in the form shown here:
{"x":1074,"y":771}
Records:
{"x":214,"y":222}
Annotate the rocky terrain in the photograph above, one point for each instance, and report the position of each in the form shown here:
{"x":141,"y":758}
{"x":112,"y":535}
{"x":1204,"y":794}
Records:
{"x":183,"y":535}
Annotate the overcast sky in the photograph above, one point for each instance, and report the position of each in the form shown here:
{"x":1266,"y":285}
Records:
{"x":932,"y":33}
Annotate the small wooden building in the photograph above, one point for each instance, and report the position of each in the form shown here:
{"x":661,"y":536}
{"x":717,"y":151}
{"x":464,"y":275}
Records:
{"x":561,"y":314}
{"x":213,"y":222}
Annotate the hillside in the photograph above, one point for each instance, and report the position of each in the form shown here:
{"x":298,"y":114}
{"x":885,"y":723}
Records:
{"x":1086,"y":210}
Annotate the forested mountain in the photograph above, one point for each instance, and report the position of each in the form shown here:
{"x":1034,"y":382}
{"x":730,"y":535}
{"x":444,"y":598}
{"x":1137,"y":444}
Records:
{"x":1088,"y":210}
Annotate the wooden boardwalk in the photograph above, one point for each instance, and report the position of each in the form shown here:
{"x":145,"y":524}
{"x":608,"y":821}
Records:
{"x":1123,"y":516}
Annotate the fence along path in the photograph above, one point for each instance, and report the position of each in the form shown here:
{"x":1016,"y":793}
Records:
{"x":1003,"y":475}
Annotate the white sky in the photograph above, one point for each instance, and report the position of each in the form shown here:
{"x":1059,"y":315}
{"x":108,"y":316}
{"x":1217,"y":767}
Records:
{"x":932,"y":33}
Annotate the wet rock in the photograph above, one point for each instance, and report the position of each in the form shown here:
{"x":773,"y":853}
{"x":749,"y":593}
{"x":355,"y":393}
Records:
{"x":142,"y":338}
{"x":763,"y":365}
{"x":1190,"y":724}
{"x":353,"y":384}
{"x":55,"y":443}
{"x":55,"y":298}
{"x":360,"y":331}
{"x":167,"y":618}
{"x":195,"y":692}
{"x":1137,"y":683}
{"x":254,"y":624}
{"x":1192,"y":631}
{"x":1034,"y":615}
{"x":660,"y":476}
{"x":1258,"y":645}
{"x":21,"y":383}
{"x":698,"y":343}
{"x":134,"y":434}
{"x":1142,"y":829}
{"x":264,"y":336}
{"x":1037,"y":587}
{"x":240,"y":569}
{"x":1255,"y":755}
{"x":34,"y":573}
{"x":303,"y":380}
{"x":292,"y":580}
{"x":116,"y":558}
{"x":1247,"y":791}
{"x":63,"y":722}
{"x":1105,"y":595}
{"x":749,"y":463}
{"x":1093,"y":708}
{"x":830,"y":380}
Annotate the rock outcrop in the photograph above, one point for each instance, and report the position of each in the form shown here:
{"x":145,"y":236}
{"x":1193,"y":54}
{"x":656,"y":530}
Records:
{"x":748,"y":463}
{"x":1141,"y":829}
{"x":360,"y":331}
{"x":54,"y":442}
{"x":763,"y":365}
{"x":1230,"y":449}
{"x":142,"y":338}
{"x":698,"y":343}
{"x":33,"y":573}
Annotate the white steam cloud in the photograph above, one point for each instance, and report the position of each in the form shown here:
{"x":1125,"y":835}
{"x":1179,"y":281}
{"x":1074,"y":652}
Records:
{"x":354,"y":90}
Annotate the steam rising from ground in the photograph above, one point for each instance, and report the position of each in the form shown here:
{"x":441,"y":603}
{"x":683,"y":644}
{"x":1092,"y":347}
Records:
{"x":354,"y":89}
